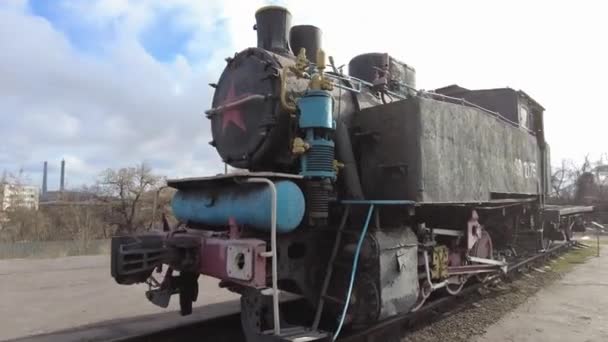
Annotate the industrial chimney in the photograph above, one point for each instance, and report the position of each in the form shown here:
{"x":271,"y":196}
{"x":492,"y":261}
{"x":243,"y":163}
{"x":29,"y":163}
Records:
{"x":272,"y":24}
{"x":44,"y":179}
{"x":62,"y":180}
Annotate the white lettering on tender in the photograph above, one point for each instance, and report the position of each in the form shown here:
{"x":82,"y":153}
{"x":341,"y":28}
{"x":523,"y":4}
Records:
{"x":525,"y":169}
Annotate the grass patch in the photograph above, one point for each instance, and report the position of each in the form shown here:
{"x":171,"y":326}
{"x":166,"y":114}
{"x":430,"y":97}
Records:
{"x":575,"y":257}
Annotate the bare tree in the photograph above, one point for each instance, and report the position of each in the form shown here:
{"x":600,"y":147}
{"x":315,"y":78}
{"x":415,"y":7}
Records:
{"x":3,"y":182}
{"x":124,"y":189}
{"x":4,"y":177}
{"x":573,"y":182}
{"x":559,"y":179}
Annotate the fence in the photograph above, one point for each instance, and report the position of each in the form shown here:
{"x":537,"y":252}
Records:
{"x":53,"y":249}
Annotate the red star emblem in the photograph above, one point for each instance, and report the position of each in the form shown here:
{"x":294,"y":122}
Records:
{"x":233,"y":114}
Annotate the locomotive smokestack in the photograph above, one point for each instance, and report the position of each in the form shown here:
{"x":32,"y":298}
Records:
{"x":305,"y":36}
{"x":272,"y":24}
{"x":62,"y":180}
{"x":44,"y":179}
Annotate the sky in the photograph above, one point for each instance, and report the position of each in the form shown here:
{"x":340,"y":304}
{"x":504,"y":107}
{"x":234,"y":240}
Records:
{"x":111,"y":83}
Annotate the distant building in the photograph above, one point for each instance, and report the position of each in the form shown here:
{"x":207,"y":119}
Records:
{"x":601,"y":173}
{"x":68,"y":196}
{"x":18,"y":196}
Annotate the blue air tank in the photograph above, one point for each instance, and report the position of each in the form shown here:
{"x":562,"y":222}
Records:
{"x":247,"y":203}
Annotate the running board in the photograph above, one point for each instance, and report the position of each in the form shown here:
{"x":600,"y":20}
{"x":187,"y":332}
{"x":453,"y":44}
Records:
{"x":484,"y":266}
{"x":502,"y":264}
{"x":487,"y":261}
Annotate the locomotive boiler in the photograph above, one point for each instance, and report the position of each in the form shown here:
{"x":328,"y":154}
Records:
{"x":358,"y":193}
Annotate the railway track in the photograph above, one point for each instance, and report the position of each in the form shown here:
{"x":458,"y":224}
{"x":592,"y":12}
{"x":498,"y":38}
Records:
{"x":225,"y":328}
{"x":384,"y":331}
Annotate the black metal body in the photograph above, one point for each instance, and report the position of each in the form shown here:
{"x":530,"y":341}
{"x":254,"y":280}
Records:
{"x":434,"y":151}
{"x":272,"y":26}
{"x":377,"y":68}
{"x":447,"y":170}
{"x":253,"y":135}
{"x":307,"y":37}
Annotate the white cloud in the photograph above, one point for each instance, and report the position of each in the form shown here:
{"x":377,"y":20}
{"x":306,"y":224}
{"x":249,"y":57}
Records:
{"x":101,"y":112}
{"x":58,"y":126}
{"x":124,"y":106}
{"x":19,"y":5}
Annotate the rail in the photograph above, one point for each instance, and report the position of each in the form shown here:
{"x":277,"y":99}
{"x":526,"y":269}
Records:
{"x":225,"y":315}
{"x":216,"y":330}
{"x":405,"y":317}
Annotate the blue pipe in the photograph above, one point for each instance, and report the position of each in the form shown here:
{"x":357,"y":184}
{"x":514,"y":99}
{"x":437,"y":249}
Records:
{"x":354,"y":271}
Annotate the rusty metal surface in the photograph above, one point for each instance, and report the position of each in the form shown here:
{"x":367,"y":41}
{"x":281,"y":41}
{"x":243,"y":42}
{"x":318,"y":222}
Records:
{"x":433,"y":151}
{"x":367,"y":66}
{"x":133,"y":260}
{"x":398,"y":271}
{"x":215,"y":262}
{"x":223,"y":319}
{"x":562,"y":210}
{"x":257,"y":134}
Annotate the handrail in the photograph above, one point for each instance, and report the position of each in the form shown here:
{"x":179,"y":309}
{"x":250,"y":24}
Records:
{"x":458,"y":100}
{"x":379,"y":202}
{"x":372,"y":206}
{"x":273,"y":251}
{"x":421,"y":92}
{"x":236,"y":103}
{"x":361,"y":82}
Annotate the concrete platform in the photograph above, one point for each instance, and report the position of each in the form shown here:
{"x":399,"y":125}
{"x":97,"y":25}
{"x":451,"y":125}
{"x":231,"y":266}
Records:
{"x":119,"y":330}
{"x":575,"y":308}
{"x":46,"y":295}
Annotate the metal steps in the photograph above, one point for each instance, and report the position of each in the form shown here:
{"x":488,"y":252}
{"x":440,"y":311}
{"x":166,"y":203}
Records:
{"x":301,"y":334}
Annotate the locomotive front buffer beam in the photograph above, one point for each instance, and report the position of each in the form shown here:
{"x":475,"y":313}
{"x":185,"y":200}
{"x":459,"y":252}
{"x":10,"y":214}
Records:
{"x":137,"y":259}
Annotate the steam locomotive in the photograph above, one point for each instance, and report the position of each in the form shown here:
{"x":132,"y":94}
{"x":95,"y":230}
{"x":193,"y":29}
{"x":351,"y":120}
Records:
{"x":359,"y":193}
